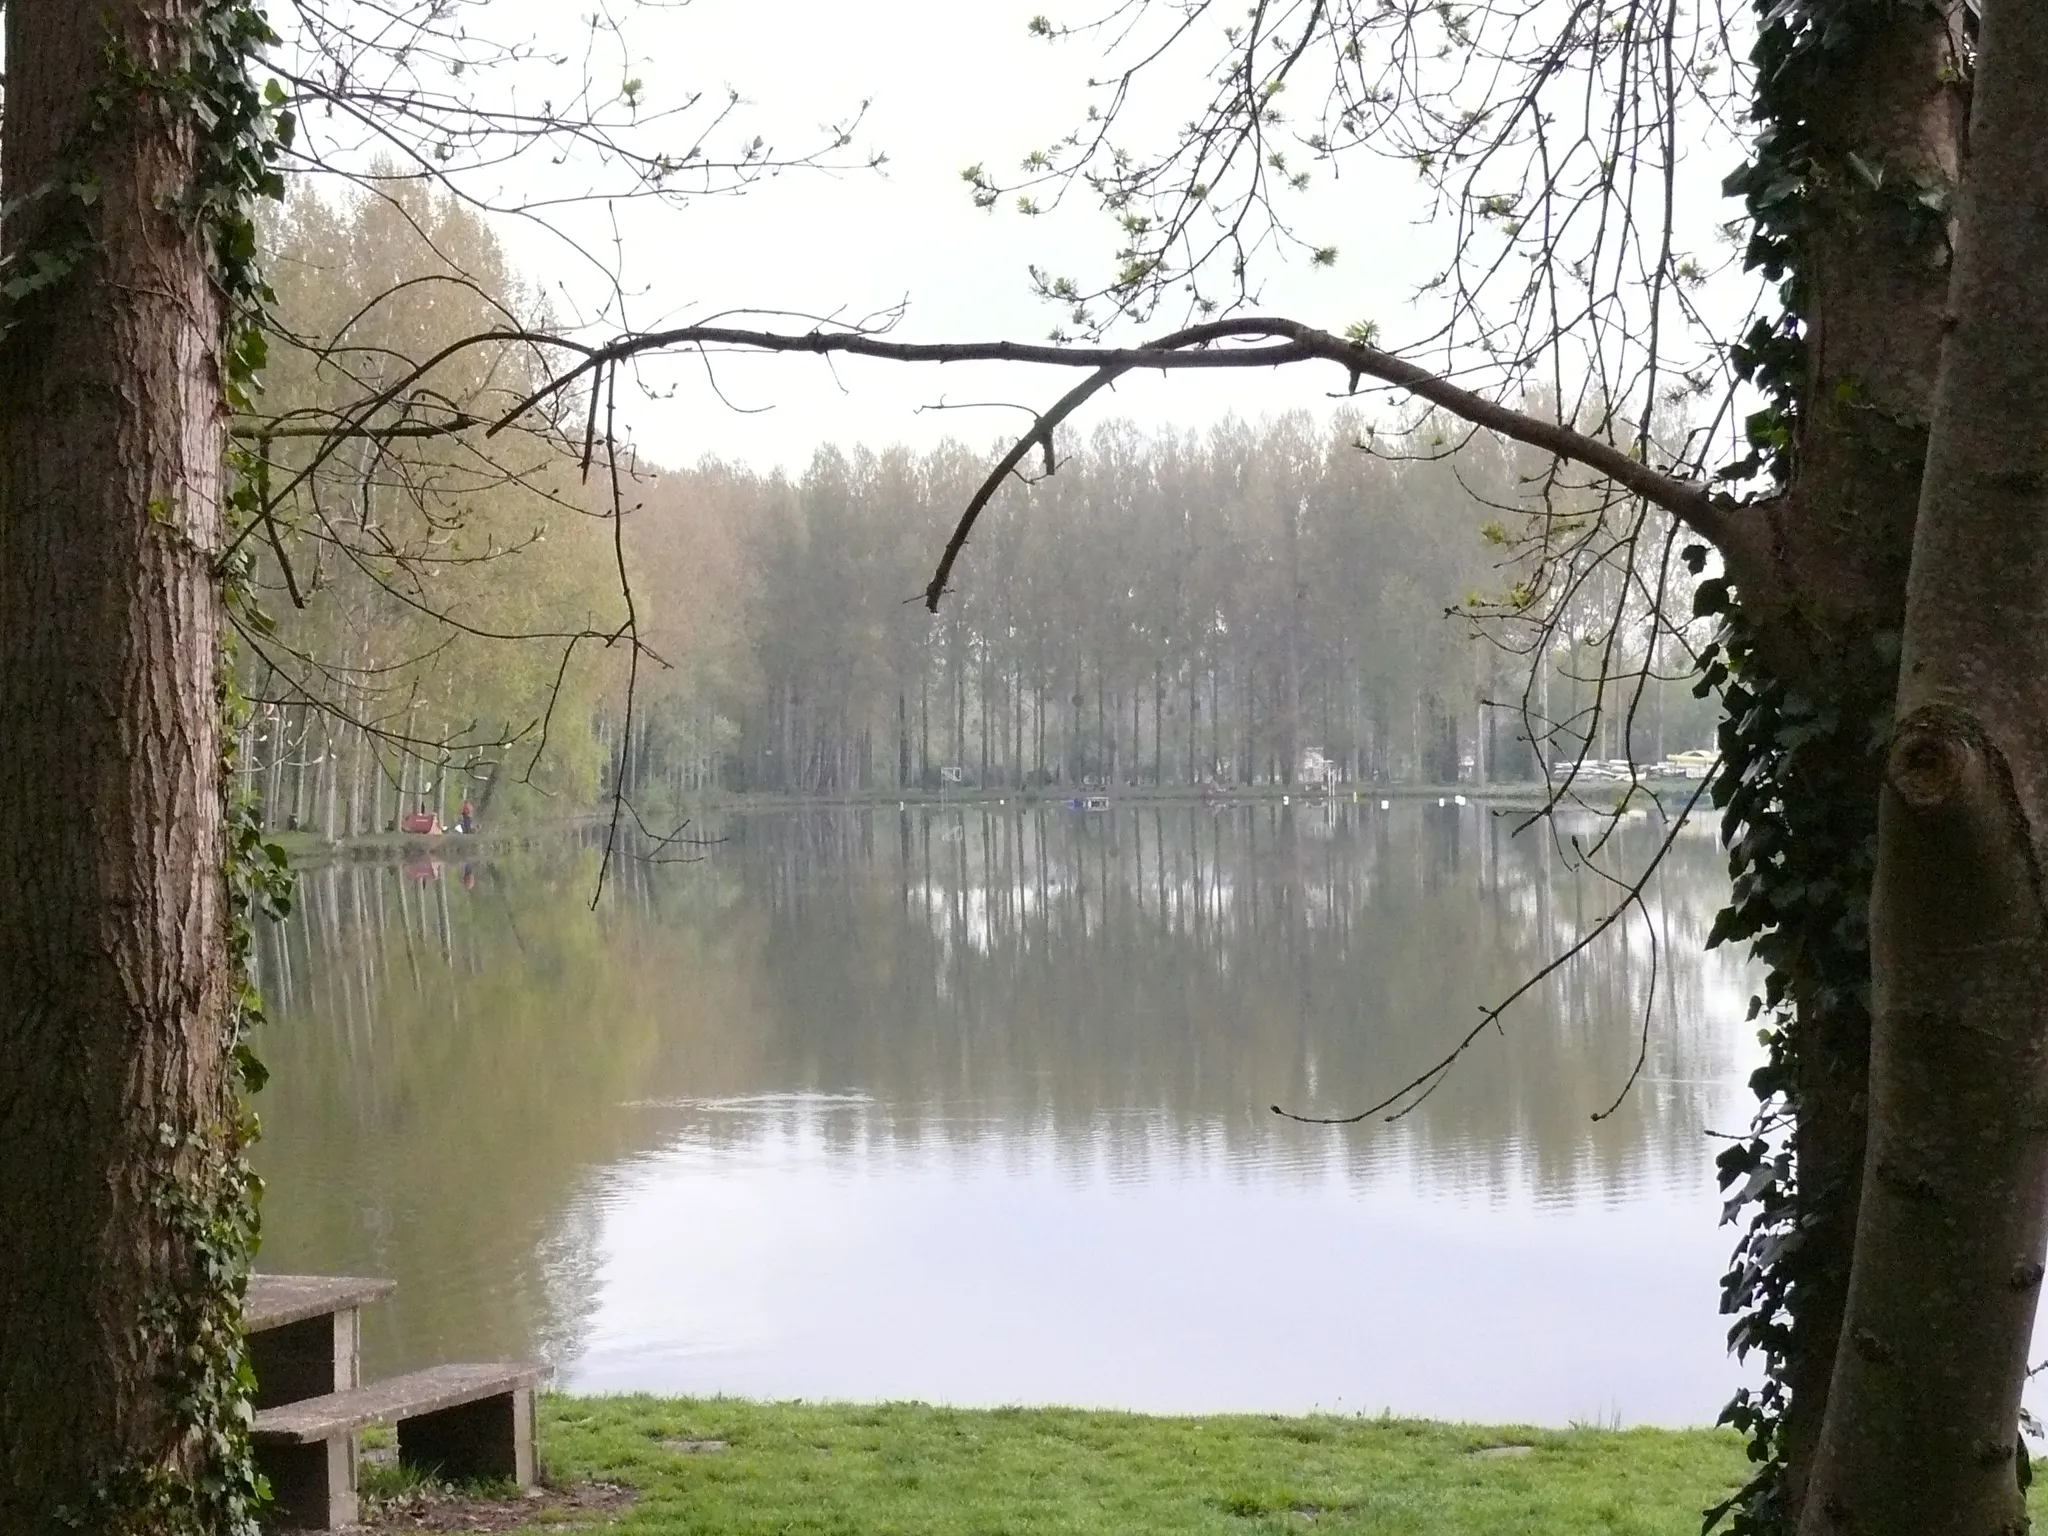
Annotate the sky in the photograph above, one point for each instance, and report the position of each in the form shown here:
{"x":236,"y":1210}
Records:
{"x":948,"y":83}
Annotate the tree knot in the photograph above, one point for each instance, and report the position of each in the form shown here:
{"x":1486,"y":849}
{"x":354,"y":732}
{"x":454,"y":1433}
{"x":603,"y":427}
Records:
{"x":1905,"y":1180}
{"x":2026,"y":1275}
{"x":1871,"y":1347}
{"x":1929,"y":760}
{"x":1996,"y":1453}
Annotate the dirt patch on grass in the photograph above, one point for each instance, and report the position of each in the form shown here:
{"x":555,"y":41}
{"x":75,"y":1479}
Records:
{"x":581,"y":1506}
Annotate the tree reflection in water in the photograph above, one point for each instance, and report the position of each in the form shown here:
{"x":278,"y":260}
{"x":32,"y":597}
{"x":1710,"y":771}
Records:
{"x":971,"y":1103}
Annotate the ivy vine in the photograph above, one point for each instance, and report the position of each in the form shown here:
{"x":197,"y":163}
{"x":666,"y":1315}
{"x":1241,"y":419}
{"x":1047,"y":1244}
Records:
{"x":1801,"y":840}
{"x":245,"y":129}
{"x":1798,"y":819}
{"x":241,"y":131}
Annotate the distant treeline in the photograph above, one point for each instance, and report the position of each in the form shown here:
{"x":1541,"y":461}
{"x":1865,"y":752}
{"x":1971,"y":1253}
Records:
{"x":1241,"y":605}
{"x":1236,"y":606}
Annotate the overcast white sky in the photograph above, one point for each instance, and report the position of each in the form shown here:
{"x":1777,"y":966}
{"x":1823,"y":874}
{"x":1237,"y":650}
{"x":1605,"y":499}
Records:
{"x":950,"y":82}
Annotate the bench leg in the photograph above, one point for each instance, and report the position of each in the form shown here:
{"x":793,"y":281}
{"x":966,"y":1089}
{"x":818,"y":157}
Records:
{"x":490,"y":1438}
{"x":309,"y":1358}
{"x":312,"y":1487}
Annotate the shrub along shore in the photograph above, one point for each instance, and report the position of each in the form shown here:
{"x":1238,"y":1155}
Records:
{"x":722,"y":1466}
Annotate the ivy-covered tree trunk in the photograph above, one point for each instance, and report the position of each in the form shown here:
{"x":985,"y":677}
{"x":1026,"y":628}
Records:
{"x":117,"y":1116}
{"x":1862,"y":115}
{"x":1919,"y":1438}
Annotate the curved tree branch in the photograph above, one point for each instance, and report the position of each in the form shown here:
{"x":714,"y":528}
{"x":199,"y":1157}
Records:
{"x":1244,"y":342}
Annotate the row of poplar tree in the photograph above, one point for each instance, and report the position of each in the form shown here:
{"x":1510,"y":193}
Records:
{"x":1246,"y":604}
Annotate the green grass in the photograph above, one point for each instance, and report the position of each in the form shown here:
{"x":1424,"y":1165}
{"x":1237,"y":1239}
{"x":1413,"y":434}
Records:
{"x":910,"y":1470}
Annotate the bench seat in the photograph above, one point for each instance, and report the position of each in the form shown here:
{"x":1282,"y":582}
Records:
{"x":303,"y":1333}
{"x":461,"y":1422}
{"x":277,"y":1300}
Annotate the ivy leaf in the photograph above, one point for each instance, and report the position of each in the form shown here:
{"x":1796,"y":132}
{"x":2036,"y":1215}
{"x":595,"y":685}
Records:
{"x":1872,"y":176}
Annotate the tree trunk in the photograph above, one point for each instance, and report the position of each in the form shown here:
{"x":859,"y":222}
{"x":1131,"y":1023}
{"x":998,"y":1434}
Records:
{"x":956,"y":662}
{"x":1920,"y":1431}
{"x":1038,"y":729}
{"x":902,"y":738}
{"x":1158,"y":727}
{"x":117,"y":1113}
{"x":1822,"y":576}
{"x":1290,"y":683}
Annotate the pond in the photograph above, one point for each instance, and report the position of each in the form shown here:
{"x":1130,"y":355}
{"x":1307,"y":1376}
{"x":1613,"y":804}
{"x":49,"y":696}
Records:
{"x":971,"y":1104}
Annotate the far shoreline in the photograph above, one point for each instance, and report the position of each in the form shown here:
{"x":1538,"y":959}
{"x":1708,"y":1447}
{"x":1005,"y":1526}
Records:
{"x":308,"y":849}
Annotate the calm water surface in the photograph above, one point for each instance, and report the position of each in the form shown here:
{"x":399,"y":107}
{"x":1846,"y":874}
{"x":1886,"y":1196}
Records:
{"x":970,"y":1105}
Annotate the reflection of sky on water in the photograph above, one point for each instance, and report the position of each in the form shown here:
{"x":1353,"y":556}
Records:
{"x":971,"y":1105}
{"x":783,"y":1263}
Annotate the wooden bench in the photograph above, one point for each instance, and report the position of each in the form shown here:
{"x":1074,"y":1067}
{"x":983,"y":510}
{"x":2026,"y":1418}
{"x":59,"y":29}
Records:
{"x":460,"y":1422}
{"x":305,"y":1333}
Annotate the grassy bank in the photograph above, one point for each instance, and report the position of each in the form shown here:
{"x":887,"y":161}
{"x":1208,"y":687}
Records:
{"x":721,"y":1467}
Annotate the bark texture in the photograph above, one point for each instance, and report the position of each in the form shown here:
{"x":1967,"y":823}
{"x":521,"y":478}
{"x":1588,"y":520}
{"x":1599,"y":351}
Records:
{"x":1920,"y":1433}
{"x":1825,"y":567}
{"x":1822,"y":573}
{"x":114,"y":973}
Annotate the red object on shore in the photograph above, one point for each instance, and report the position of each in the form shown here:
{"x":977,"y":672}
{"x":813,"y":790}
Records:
{"x":421,"y":821}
